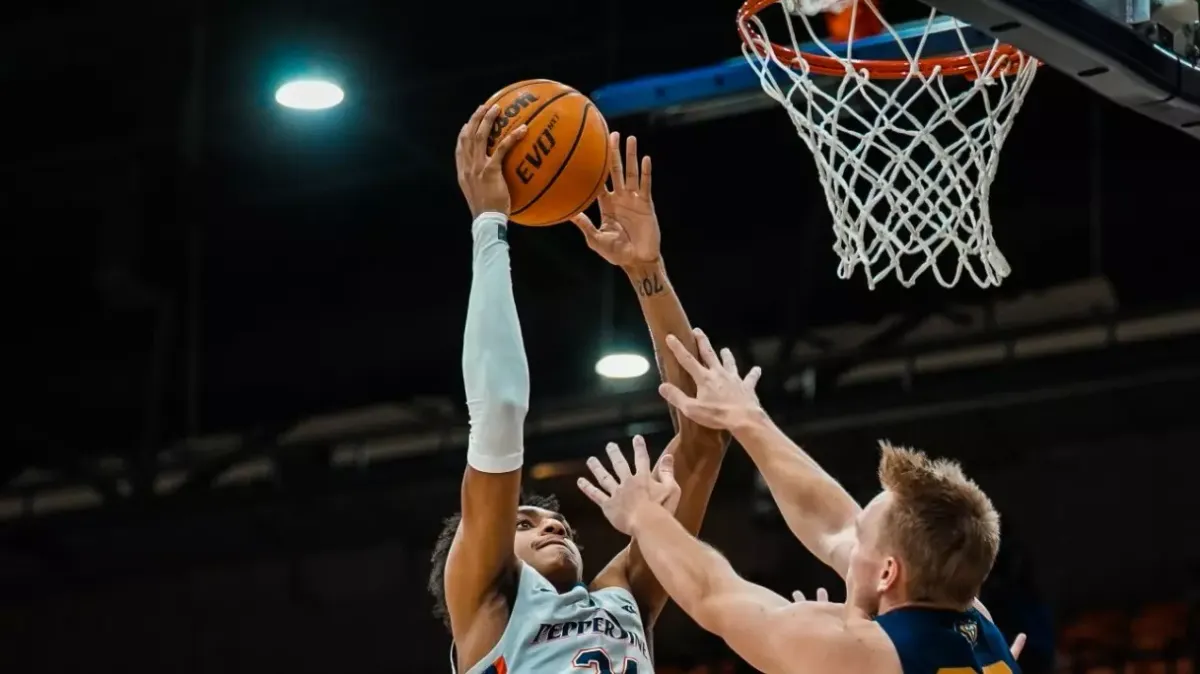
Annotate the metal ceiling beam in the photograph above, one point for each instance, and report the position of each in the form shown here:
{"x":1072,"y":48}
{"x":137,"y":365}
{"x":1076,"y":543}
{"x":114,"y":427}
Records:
{"x":882,"y":349}
{"x":1085,"y":376}
{"x":411,"y":437}
{"x":828,"y":371}
{"x":1120,"y":368}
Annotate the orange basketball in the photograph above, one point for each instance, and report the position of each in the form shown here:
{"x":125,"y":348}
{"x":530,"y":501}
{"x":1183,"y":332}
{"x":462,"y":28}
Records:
{"x":559,"y":167}
{"x":866,"y":22}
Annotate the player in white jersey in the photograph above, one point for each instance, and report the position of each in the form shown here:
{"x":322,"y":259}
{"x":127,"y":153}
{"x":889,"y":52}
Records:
{"x":507,"y":574}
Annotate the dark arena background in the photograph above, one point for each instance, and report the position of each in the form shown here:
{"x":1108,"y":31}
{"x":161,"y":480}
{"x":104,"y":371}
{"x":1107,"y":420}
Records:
{"x":234,"y":337}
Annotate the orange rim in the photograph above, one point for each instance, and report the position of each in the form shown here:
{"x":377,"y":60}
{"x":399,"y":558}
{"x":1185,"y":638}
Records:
{"x":962,"y":65}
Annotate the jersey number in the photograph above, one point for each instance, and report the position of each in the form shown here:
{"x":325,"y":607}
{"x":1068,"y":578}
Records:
{"x":1000,"y":667}
{"x":597,"y":659}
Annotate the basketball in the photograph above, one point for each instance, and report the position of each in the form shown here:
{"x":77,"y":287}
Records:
{"x":866,"y":22}
{"x":559,"y":167}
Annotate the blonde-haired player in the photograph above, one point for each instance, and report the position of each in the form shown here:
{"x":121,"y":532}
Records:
{"x":913,"y":560}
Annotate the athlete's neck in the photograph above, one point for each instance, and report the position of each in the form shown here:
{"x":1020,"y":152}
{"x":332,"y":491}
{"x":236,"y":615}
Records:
{"x":563,"y":580}
{"x":886,"y":605}
{"x":564,"y":586}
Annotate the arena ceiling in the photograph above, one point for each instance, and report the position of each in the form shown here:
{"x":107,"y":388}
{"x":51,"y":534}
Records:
{"x":192,"y":260}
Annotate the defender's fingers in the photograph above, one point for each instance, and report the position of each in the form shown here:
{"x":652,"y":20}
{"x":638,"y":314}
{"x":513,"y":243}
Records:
{"x":631,"y":162}
{"x":705,"y":348}
{"x":603,"y":477}
{"x":674,"y":396}
{"x":1018,"y":645}
{"x":797,"y":595}
{"x":645,"y":186}
{"x":822,"y":594}
{"x":592,"y":491}
{"x":661,"y":457}
{"x":686,"y":360}
{"x":641,"y":457}
{"x":506,"y":146}
{"x":619,"y":464}
{"x":682,"y":402}
{"x":616,"y":172}
{"x":664,"y":470}
{"x":729,"y":362}
{"x":752,"y":377}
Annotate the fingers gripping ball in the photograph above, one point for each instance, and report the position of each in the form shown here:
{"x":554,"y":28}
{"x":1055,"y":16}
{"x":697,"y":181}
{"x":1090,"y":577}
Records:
{"x":559,"y":167}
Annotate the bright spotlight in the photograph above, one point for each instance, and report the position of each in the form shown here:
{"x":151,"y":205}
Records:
{"x":309,"y":95}
{"x":622,"y":366}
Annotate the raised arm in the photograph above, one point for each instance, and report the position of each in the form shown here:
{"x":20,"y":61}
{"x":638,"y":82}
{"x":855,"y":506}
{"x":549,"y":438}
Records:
{"x":629,"y":237}
{"x":496,"y":379}
{"x":819,"y":512}
{"x":764,"y":628}
{"x":664,"y":316}
{"x":816,"y":508}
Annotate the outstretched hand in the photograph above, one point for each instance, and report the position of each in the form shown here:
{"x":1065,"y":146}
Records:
{"x":479,"y":175}
{"x":628,"y":233}
{"x":724,"y":399}
{"x":620,"y":497}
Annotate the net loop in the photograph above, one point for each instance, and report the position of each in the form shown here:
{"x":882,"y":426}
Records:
{"x":905,"y":149}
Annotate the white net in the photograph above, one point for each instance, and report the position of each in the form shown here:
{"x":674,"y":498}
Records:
{"x":907,"y":162}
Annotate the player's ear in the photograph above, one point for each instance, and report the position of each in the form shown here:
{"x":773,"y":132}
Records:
{"x":889,"y":575}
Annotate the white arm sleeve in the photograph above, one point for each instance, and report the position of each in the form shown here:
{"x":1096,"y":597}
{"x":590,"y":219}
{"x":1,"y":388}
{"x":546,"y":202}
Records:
{"x":495,"y":370}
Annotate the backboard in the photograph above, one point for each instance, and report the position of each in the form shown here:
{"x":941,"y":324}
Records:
{"x":1151,"y":65}
{"x":1148,"y":61}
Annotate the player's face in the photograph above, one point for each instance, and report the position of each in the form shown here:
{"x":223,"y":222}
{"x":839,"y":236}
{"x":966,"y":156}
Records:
{"x":544,"y":541}
{"x":873,"y":571}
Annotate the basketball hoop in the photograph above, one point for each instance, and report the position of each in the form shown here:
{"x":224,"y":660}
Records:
{"x":906,"y":148}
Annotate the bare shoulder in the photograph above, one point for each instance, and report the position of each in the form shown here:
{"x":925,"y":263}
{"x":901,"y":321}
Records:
{"x":830,"y":637}
{"x":874,"y":646}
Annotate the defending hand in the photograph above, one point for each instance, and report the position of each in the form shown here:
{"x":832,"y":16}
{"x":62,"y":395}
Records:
{"x":479,"y":176}
{"x":622,"y":496}
{"x":628,"y":234}
{"x":724,"y":399}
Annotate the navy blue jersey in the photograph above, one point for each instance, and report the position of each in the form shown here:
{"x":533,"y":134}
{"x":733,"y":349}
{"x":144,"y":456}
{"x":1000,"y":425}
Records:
{"x":939,"y":641}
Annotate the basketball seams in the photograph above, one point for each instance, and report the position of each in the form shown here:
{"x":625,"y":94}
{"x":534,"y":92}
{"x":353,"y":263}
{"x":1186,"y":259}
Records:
{"x":551,"y":183}
{"x":536,"y":111}
{"x":495,"y":98}
{"x":504,"y":92}
{"x":566,"y":160}
{"x":604,"y":171}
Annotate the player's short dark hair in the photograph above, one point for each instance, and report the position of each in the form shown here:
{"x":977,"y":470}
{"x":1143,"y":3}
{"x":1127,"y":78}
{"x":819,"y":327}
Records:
{"x":441,"y":550}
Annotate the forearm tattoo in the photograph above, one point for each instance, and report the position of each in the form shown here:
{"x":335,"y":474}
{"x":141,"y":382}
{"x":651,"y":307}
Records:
{"x":649,"y":284}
